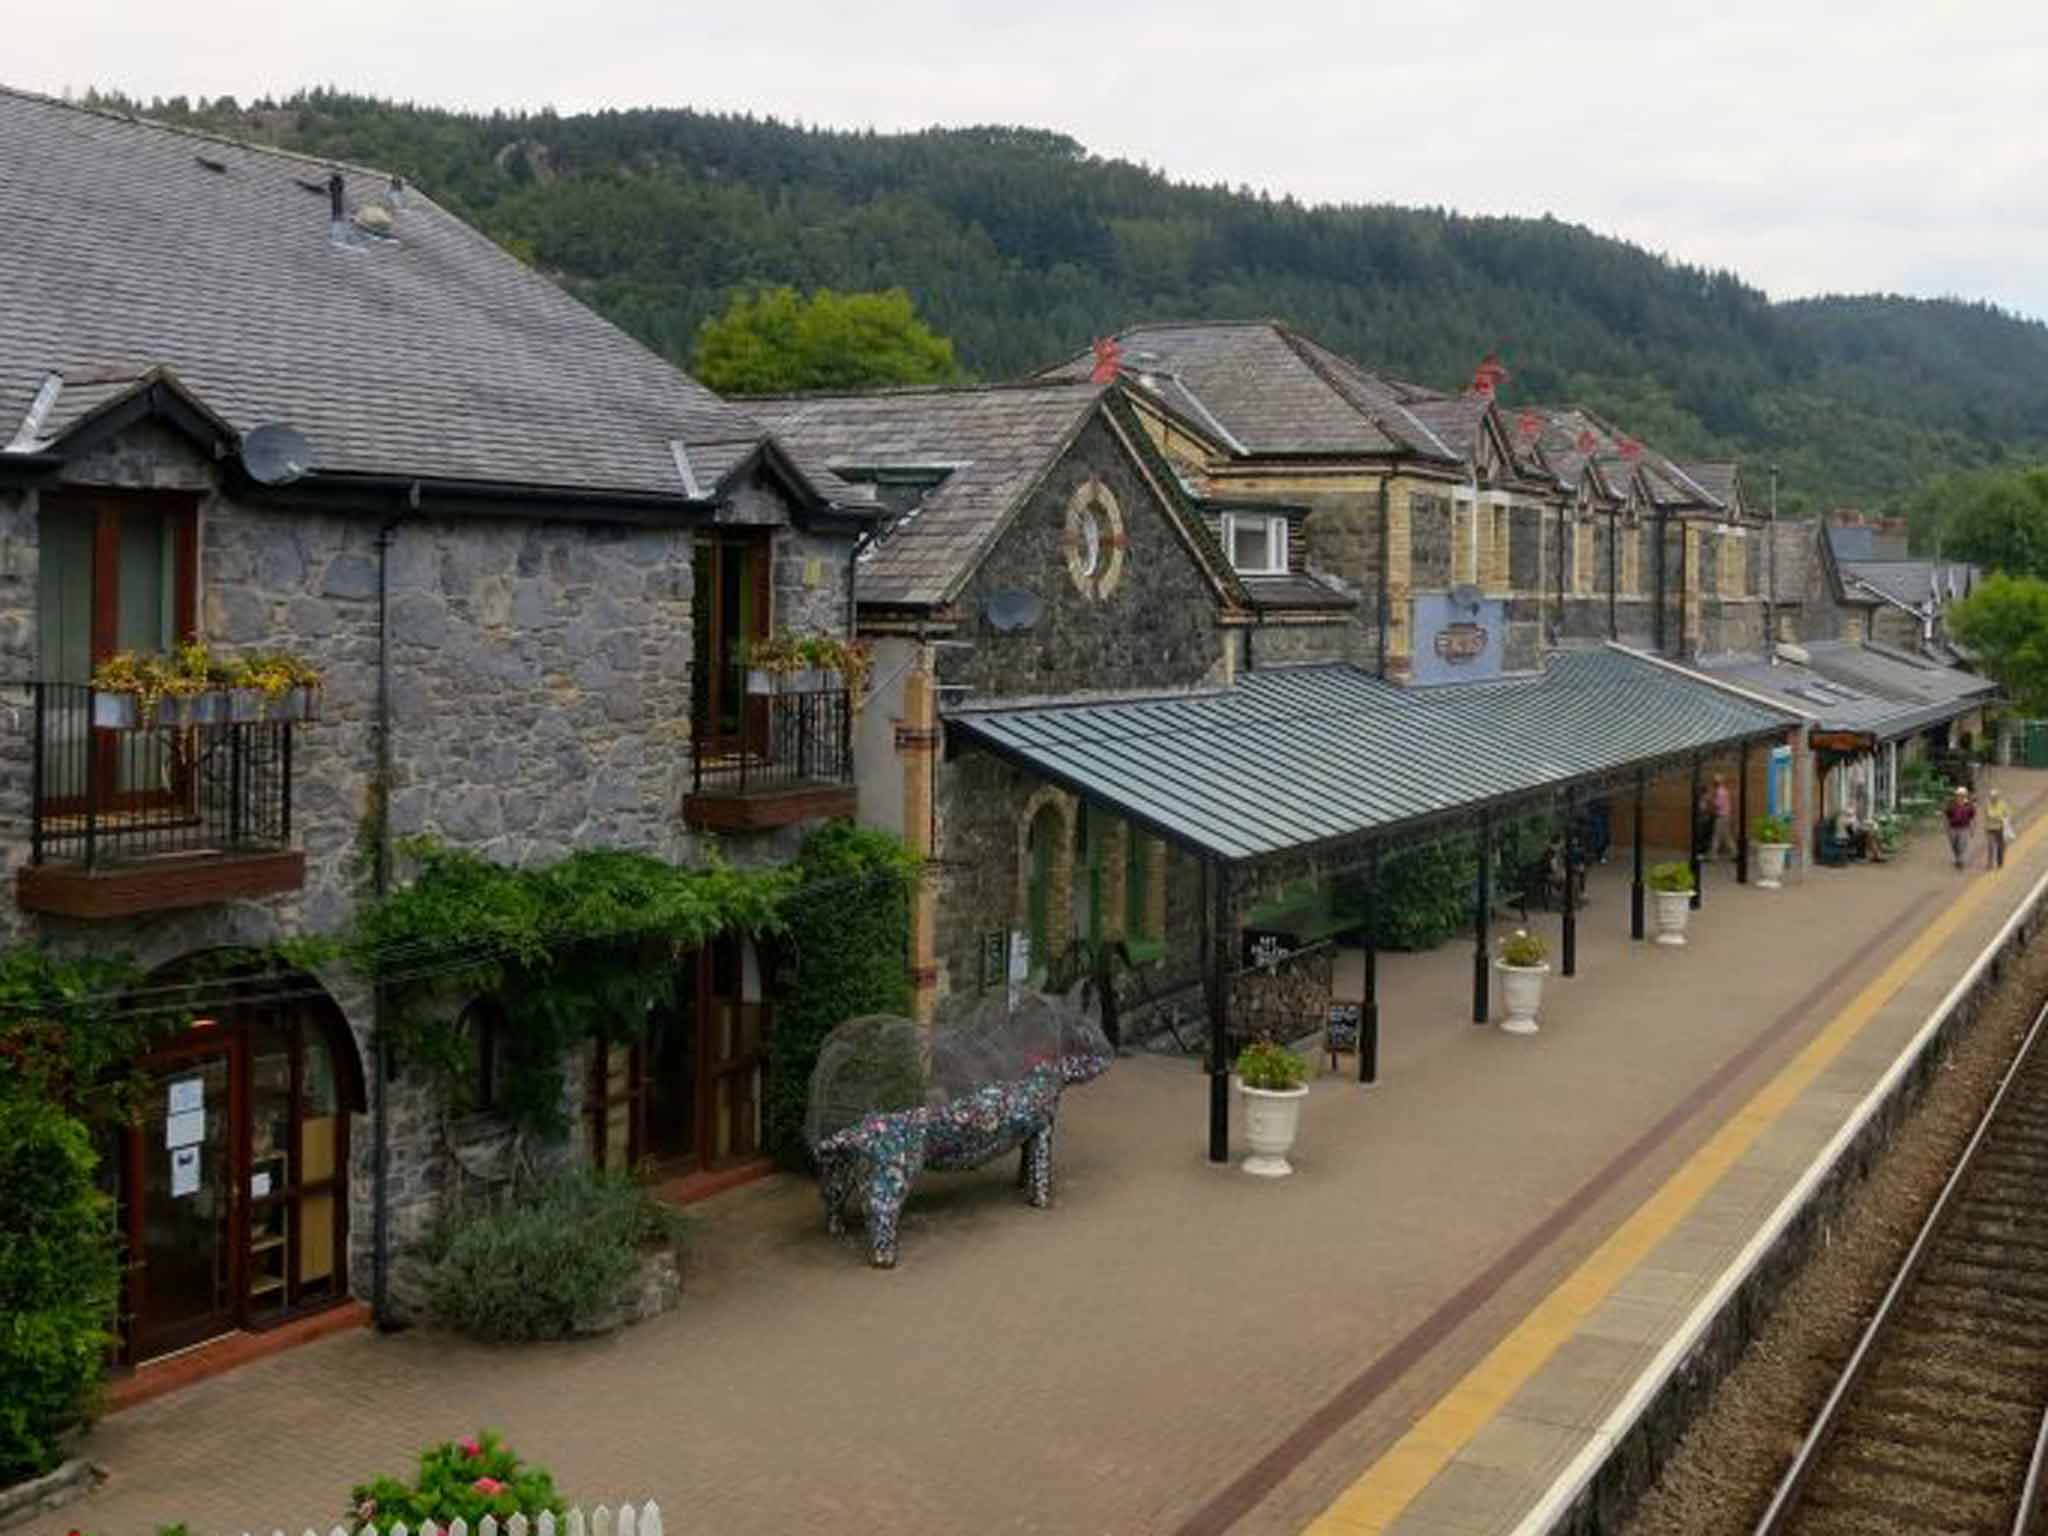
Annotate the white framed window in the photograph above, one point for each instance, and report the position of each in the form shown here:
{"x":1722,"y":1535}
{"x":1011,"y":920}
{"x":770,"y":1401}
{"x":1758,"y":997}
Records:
{"x":1257,"y":543}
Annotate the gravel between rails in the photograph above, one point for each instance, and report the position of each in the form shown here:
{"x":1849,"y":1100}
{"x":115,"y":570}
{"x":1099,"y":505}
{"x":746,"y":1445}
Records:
{"x":1723,"y":1472}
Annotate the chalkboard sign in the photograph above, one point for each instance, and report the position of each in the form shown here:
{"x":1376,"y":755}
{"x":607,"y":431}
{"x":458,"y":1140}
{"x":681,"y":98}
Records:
{"x":1343,"y":1027}
{"x":1264,"y":948}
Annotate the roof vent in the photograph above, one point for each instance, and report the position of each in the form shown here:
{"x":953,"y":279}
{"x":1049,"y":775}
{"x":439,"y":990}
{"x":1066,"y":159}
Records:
{"x":1798,"y":655}
{"x":219,"y":167}
{"x":375,"y":219}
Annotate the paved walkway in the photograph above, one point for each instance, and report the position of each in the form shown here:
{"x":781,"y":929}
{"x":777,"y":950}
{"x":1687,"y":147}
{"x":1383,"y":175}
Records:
{"x":1174,"y":1347}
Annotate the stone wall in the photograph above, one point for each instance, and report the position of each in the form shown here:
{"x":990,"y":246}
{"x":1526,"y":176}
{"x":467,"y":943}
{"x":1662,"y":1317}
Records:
{"x":1155,"y":628}
{"x":540,"y":692}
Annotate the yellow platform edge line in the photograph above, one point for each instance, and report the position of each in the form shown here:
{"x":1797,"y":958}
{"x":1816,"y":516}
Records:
{"x":1392,"y":1483}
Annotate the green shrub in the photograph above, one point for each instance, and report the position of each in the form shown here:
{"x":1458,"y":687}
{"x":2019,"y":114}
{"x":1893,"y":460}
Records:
{"x":847,"y":947}
{"x":1674,"y":877}
{"x":58,"y":1283}
{"x":1265,"y":1064}
{"x":1771,"y":829}
{"x":1523,"y":948}
{"x":458,"y":1479}
{"x":541,"y":1260}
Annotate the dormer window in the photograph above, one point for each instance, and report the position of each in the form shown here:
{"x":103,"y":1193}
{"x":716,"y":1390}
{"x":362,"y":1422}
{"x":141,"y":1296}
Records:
{"x":1257,"y":543}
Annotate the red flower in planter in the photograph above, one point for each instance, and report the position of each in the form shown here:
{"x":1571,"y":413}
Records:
{"x":469,"y":1447}
{"x":490,"y":1487}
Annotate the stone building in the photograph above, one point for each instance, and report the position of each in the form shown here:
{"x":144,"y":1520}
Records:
{"x":1039,"y":547}
{"x":270,"y":404}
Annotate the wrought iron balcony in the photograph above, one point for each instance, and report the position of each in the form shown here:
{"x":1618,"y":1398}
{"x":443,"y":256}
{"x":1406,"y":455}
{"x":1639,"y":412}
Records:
{"x":137,"y":811}
{"x":781,"y":757}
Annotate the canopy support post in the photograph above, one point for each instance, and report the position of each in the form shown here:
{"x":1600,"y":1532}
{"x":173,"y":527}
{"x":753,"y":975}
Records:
{"x":1695,"y":820}
{"x":1742,"y":816}
{"x":1369,"y":1011}
{"x":1571,"y":883}
{"x":1635,"y":893}
{"x":1482,"y":1002}
{"x":1219,"y":1010}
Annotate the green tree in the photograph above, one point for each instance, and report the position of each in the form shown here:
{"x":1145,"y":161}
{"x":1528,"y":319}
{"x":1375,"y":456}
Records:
{"x":1997,"y":518}
{"x":775,"y":342}
{"x":2005,"y":621}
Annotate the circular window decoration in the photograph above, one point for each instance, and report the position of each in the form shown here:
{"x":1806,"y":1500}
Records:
{"x":1094,"y":540}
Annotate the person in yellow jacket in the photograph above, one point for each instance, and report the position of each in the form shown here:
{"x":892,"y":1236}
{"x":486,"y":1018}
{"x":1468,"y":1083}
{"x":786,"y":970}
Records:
{"x":1998,"y":830}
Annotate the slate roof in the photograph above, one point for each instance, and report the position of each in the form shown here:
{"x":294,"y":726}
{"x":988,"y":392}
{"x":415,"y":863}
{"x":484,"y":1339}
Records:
{"x":132,"y":247}
{"x":1913,"y":581}
{"x":1274,"y":391}
{"x":993,"y":442}
{"x":1293,"y":757}
{"x":1296,"y":592}
{"x":1719,"y":478}
{"x":1845,"y":686}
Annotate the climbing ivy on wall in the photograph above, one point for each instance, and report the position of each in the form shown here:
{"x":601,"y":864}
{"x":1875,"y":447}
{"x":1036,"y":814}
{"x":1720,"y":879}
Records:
{"x":584,"y":947}
{"x":848,"y":959}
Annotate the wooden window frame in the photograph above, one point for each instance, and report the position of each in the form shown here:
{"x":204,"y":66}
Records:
{"x":1276,"y":542}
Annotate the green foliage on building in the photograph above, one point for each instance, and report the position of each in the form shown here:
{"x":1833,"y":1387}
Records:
{"x":58,"y":1280}
{"x":776,"y":342}
{"x":847,"y":942}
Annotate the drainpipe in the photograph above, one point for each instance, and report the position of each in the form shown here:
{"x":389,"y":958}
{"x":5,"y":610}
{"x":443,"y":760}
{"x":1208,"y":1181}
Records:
{"x":1771,"y":579}
{"x":1613,"y":574}
{"x":1386,"y":555}
{"x":1663,"y":575}
{"x":380,"y":1220}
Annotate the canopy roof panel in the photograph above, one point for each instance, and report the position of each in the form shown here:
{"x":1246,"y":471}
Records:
{"x":1294,"y":757}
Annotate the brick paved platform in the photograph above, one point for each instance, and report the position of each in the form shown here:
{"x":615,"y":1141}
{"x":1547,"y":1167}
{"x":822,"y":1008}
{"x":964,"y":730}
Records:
{"x":1174,"y":1347}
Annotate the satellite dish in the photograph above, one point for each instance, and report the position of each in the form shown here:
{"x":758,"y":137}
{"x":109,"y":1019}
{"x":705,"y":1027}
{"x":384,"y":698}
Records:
{"x":1465,"y":595}
{"x":1011,"y":608}
{"x":276,"y":454}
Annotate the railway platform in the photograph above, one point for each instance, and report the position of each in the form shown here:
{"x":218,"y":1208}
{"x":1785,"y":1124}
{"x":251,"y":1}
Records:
{"x":1567,"y":1394}
{"x":1440,"y":1324}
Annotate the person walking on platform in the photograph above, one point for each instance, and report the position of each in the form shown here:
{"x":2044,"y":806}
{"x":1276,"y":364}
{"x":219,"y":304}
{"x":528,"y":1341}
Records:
{"x":1960,"y":814}
{"x":1998,"y":830}
{"x":1724,"y":837}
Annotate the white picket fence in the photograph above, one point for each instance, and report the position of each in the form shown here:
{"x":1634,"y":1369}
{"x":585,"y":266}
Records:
{"x":645,"y":1521}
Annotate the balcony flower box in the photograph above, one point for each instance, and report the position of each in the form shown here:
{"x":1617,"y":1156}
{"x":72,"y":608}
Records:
{"x":804,"y":680}
{"x":116,"y":711}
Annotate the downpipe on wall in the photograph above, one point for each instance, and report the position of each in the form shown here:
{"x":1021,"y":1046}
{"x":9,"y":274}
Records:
{"x":380,"y":1199}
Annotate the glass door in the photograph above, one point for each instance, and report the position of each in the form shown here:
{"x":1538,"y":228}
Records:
{"x":182,"y":1219}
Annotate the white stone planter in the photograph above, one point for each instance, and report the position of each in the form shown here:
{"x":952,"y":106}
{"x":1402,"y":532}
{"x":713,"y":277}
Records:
{"x":1770,"y":864}
{"x":1521,"y":990}
{"x":1674,"y":909}
{"x":1272,"y":1118}
{"x":116,"y":711}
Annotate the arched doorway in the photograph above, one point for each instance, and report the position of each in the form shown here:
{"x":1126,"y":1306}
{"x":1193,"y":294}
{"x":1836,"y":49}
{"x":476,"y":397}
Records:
{"x":232,"y":1181}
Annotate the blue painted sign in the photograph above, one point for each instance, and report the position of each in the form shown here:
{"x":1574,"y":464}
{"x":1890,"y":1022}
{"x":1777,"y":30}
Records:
{"x":1458,"y":642}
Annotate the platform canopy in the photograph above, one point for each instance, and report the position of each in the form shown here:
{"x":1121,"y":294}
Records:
{"x":1291,"y":758}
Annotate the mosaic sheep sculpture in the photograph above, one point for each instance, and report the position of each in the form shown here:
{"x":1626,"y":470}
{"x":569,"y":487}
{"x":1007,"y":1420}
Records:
{"x":889,"y":1102}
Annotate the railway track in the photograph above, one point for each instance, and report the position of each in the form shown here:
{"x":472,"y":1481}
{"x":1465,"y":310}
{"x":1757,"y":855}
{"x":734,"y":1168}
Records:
{"x":1940,"y":1421}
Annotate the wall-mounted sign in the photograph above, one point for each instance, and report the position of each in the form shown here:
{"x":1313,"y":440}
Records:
{"x":1458,"y":638}
{"x":1842,"y":741}
{"x":184,"y":1172}
{"x":186,"y":1129}
{"x":1458,"y":644}
{"x":1265,"y":948}
{"x":186,"y":1095}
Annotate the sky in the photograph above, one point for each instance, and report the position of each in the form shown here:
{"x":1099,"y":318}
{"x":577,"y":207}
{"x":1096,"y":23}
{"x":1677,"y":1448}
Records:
{"x":1810,"y":147}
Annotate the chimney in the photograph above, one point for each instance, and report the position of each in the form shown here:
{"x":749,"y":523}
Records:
{"x":1488,"y":377}
{"x":1108,"y":359}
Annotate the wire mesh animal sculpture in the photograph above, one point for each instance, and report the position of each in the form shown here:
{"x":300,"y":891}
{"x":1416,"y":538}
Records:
{"x":890,"y":1102}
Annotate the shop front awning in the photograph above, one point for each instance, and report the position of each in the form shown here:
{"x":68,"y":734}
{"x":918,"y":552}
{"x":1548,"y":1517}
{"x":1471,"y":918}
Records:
{"x":1294,"y":758}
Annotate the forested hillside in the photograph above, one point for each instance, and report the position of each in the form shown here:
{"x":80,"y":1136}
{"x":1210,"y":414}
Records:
{"x":1020,"y":246}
